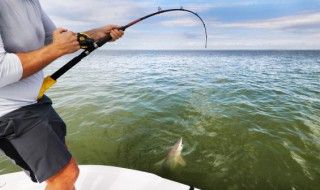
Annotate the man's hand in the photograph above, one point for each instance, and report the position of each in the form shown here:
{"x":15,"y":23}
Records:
{"x":102,"y":32}
{"x":65,"y":41}
{"x":113,"y":31}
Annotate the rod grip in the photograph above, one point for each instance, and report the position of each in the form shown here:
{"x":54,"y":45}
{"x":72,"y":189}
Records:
{"x":104,"y":40}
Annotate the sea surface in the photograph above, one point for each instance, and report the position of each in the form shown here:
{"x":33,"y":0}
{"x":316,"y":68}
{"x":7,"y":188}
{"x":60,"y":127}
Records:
{"x":248,"y":119}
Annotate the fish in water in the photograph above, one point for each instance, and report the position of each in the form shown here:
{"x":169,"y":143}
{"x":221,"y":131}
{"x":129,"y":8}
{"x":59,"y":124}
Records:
{"x":174,"y":157}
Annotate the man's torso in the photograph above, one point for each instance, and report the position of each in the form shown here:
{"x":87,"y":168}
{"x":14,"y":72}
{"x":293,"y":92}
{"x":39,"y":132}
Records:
{"x":22,"y":30}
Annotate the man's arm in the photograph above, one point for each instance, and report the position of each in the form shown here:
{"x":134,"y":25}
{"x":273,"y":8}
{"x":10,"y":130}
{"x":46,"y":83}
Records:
{"x":64,"y":42}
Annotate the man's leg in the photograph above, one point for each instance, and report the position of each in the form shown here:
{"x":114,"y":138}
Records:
{"x":65,"y":178}
{"x":35,"y":139}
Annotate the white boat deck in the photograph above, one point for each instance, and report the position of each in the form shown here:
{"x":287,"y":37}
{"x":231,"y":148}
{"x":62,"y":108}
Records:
{"x":94,"y":177}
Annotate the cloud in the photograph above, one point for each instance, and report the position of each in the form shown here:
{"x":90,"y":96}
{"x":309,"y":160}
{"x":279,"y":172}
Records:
{"x":209,"y":6}
{"x":297,"y":22}
{"x":184,"y":22}
{"x":206,"y":6}
{"x":93,"y":13}
{"x":96,"y":12}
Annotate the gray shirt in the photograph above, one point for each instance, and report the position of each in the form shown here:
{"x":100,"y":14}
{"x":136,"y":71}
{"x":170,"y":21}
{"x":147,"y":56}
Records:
{"x":24,"y":27}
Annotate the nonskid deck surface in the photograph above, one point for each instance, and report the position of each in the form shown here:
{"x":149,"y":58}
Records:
{"x":93,"y":177}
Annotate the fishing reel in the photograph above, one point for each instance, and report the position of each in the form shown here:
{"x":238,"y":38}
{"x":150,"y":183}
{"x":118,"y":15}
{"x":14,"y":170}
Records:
{"x":84,"y":40}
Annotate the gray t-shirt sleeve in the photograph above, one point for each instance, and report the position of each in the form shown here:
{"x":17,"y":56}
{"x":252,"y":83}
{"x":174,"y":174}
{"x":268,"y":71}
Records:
{"x":49,"y":27}
{"x":10,"y":66}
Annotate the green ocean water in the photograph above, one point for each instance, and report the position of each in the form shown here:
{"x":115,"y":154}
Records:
{"x":248,"y":119}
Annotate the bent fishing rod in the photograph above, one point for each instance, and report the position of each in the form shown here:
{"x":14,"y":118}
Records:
{"x":89,"y":46}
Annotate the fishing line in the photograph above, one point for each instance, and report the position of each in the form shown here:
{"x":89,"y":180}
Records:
{"x":89,"y":46}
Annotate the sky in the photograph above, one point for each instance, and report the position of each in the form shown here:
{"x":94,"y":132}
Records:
{"x":231,"y":24}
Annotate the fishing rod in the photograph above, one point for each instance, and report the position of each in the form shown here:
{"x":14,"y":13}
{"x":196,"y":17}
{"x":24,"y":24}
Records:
{"x":89,"y":46}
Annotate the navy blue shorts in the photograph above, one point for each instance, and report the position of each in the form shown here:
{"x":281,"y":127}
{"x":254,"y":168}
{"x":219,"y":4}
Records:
{"x":34,"y":137}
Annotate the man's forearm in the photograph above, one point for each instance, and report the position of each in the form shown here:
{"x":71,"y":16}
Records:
{"x":33,"y":62}
{"x":64,"y":42}
{"x":96,"y":34}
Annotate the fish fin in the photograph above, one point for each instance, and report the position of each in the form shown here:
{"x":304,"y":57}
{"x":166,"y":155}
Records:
{"x":160,"y":162}
{"x":181,"y":161}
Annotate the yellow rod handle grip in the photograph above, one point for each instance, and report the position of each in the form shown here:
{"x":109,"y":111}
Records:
{"x":47,"y":83}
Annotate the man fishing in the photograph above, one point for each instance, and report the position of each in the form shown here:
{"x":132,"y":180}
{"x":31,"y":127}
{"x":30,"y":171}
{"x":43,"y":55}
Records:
{"x":31,"y":133}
